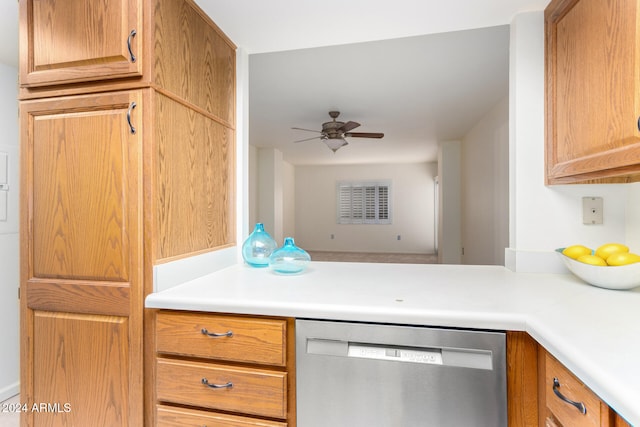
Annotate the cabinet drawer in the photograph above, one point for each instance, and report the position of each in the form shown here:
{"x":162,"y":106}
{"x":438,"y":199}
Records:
{"x":573,"y":389}
{"x":252,"y":340}
{"x":179,"y":417}
{"x":253,"y":391}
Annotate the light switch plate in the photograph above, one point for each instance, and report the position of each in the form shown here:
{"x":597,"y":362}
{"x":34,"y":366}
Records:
{"x":592,"y":210}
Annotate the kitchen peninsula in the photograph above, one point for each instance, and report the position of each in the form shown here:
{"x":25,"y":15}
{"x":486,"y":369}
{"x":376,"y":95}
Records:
{"x":592,"y":331}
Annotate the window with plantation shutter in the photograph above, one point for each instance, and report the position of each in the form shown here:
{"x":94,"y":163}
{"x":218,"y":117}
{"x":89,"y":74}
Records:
{"x":364,"y":202}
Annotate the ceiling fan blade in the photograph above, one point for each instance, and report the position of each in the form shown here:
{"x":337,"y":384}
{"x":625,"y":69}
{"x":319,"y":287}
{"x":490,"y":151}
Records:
{"x":364,"y":134}
{"x":308,"y":130}
{"x":348,"y":126}
{"x":308,"y":139}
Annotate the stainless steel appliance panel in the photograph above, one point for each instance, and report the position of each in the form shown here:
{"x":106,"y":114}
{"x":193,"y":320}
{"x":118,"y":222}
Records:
{"x":374,"y":375}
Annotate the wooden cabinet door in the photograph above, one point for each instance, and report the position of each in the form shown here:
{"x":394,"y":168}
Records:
{"x":81,"y":259}
{"x":593,"y":93}
{"x":74,"y":41}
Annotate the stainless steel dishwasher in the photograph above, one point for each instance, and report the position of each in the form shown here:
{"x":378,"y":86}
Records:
{"x":377,"y":375}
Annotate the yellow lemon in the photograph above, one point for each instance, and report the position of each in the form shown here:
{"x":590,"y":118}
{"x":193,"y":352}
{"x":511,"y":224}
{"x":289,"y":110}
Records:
{"x":610,"y":248}
{"x":623,"y":258}
{"x":576,"y":250}
{"x":592,"y":259}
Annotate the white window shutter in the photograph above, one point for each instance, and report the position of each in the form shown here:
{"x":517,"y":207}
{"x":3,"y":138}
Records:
{"x":364,"y":203}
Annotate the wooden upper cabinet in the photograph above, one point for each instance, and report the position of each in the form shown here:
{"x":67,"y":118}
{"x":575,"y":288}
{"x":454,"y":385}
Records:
{"x":592,"y":91}
{"x":59,"y":43}
{"x":82,"y":167}
{"x":89,"y":46}
{"x":193,"y":59}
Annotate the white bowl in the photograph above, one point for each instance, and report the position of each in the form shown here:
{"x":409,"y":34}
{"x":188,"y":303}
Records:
{"x":609,"y":277}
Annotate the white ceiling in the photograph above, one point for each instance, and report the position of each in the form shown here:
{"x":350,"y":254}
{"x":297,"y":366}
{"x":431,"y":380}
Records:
{"x":370,"y":59}
{"x":416,"y":90}
{"x":412,"y":69}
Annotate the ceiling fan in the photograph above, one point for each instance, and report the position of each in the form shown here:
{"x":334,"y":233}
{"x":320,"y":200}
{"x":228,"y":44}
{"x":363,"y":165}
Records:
{"x":333,"y":133}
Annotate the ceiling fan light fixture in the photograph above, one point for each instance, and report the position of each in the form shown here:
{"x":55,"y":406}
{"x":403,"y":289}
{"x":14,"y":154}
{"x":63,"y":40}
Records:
{"x":334,"y":132}
{"x":335,"y":144}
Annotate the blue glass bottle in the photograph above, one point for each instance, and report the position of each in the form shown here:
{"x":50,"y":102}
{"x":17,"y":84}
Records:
{"x":289,"y":259}
{"x":258,"y":247}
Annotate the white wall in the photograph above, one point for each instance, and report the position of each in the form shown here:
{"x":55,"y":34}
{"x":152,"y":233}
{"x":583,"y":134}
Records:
{"x":544,"y":218}
{"x":270,"y":190}
{"x":271,"y":193}
{"x":252,"y":197}
{"x":450,"y":202}
{"x":9,"y":238}
{"x":413,"y":211}
{"x":485,"y":188}
{"x":289,"y":200}
{"x":633,"y":217}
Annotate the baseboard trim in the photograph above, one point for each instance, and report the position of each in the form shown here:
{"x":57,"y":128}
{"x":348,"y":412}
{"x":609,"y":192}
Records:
{"x":9,"y":391}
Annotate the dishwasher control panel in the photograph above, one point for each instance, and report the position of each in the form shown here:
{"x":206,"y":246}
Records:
{"x":399,"y":354}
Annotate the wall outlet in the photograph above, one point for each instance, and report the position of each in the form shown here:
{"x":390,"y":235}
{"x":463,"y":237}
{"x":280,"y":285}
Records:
{"x":333,"y":237}
{"x":592,"y":210}
{"x":399,"y":237}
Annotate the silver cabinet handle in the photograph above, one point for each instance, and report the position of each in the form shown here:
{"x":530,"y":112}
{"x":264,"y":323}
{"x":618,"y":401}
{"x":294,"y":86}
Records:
{"x":579,"y":405}
{"x":131,"y":35}
{"x":131,"y":128}
{"x":216,"y":335}
{"x":206,"y":382}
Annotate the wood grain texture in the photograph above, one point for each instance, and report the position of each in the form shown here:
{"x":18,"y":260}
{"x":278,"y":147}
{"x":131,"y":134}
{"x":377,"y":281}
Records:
{"x":168,"y":416}
{"x":194,"y":181}
{"x":106,"y":298}
{"x":88,"y":237}
{"x":291,"y":371}
{"x":259,"y":392}
{"x":82,"y":235}
{"x":572,"y":388}
{"x":522,"y":380}
{"x":618,"y":421}
{"x":79,"y":203}
{"x":76,"y":359}
{"x":59,"y":43}
{"x":254,"y":340}
{"x":592,"y":97}
{"x":205,"y":79}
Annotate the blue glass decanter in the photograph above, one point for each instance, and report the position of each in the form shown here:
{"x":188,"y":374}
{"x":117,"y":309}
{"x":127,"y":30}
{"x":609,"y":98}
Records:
{"x":289,"y":259}
{"x":258,"y":247}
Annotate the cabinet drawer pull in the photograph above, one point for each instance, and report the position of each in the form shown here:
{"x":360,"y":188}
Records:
{"x":206,"y":382}
{"x":579,"y":405}
{"x":131,"y":35}
{"x":216,"y":335}
{"x":131,"y":128}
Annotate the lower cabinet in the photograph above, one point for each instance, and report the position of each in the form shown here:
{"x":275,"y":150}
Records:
{"x":169,"y":416}
{"x":239,"y":371}
{"x":224,"y":370}
{"x":566,"y":402}
{"x":541,"y":392}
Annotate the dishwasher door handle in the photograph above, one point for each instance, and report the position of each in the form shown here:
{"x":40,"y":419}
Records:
{"x":460,"y":357}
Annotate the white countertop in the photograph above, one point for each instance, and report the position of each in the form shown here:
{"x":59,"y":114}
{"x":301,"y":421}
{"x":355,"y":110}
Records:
{"x":594,"y":332}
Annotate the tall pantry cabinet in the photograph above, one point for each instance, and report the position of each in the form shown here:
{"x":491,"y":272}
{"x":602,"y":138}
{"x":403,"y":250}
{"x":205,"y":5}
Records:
{"x":127,"y":121}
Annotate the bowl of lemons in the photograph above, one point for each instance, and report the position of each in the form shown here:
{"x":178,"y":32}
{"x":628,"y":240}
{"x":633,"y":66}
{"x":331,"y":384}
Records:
{"x":610,"y":266}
